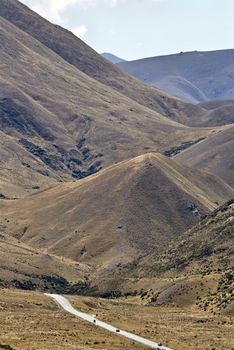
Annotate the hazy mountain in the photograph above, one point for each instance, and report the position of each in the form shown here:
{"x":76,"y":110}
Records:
{"x":112,"y":58}
{"x":191,"y":76}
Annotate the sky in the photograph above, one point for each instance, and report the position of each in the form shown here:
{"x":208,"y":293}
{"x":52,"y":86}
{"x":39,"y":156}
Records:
{"x":133,"y":29}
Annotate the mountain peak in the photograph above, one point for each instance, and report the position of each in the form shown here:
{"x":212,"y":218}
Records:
{"x":112,"y":58}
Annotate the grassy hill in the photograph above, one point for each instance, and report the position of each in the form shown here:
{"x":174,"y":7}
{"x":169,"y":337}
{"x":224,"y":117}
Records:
{"x":27,"y":268}
{"x":191,"y":76}
{"x":205,"y":248}
{"x":77,"y":53}
{"x":60,"y":124}
{"x":214,"y":155}
{"x":131,"y":209}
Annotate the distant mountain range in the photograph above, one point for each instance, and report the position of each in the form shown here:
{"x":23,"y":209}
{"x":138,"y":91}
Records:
{"x":191,"y":76}
{"x":112,"y":58}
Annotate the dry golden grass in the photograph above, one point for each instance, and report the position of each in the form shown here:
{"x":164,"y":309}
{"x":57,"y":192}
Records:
{"x":22,"y":263}
{"x":130,"y":209}
{"x":214,"y":155}
{"x":30,"y":321}
{"x":77,"y":53}
{"x":75,"y":122}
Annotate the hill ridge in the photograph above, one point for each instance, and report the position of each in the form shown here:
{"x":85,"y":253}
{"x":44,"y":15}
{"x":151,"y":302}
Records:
{"x":146,"y":207}
{"x":194,"y":76}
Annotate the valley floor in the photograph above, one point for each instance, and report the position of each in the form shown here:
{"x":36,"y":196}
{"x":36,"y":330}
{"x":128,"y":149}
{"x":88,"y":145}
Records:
{"x":31,"y":321}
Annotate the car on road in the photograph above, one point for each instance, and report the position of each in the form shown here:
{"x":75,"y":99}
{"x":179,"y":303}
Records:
{"x":117,"y":330}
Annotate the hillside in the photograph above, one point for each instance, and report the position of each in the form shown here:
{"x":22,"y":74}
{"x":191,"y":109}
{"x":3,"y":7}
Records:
{"x":205,"y":248}
{"x":153,"y":199}
{"x":27,"y":268}
{"x":76,"y":52}
{"x":219,"y":112}
{"x":59,"y":124}
{"x":215,"y":104}
{"x":191,"y":76}
{"x":214,"y":155}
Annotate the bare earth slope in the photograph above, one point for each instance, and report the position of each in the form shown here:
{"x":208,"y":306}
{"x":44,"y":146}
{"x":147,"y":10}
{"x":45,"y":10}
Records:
{"x":108,"y":219}
{"x":77,"y":53}
{"x":214,"y":155}
{"x":60,"y":124}
{"x":191,"y":76}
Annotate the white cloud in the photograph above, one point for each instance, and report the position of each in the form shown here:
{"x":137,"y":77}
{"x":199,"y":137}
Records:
{"x":80,"y":31}
{"x":53,"y":9}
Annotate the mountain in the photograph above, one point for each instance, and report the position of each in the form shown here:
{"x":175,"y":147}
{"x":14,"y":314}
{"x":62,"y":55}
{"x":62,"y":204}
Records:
{"x":112,"y":58}
{"x":214,"y":155}
{"x":77,"y":53}
{"x":191,"y":76}
{"x":79,"y":145}
{"x":59,"y":124}
{"x":152,"y":200}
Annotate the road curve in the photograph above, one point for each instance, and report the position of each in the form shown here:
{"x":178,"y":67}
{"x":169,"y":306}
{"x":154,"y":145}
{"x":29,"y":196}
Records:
{"x":65,"y":304}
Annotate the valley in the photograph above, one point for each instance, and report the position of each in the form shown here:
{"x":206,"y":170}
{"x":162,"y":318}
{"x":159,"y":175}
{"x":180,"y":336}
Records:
{"x":113,"y":192}
{"x":28,"y":318}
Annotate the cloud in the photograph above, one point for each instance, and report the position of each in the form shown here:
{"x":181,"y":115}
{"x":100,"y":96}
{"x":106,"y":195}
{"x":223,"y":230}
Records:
{"x":53,"y":9}
{"x":80,"y":31}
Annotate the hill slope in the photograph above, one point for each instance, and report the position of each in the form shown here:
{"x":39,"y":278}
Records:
{"x":207,"y":247}
{"x":77,"y":53}
{"x":214,"y":155}
{"x":191,"y":76}
{"x":24,"y":267}
{"x":152,"y":200}
{"x":60,"y":124}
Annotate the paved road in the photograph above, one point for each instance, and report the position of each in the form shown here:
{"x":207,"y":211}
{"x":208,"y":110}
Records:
{"x":65,"y":304}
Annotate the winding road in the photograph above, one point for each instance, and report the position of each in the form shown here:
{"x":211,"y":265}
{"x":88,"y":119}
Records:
{"x":66,"y":305}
